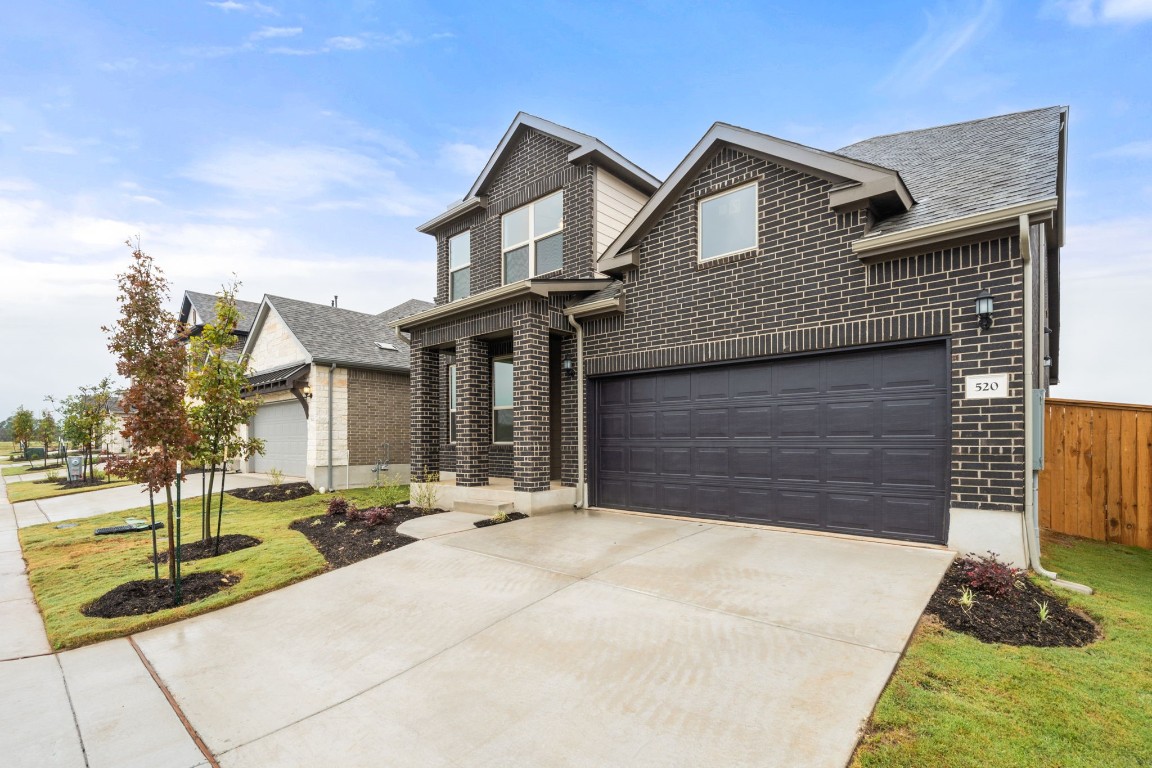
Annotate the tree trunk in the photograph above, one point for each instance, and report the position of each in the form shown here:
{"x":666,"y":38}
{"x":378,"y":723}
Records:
{"x":206,"y":520}
{"x":220,"y":509}
{"x":171,"y":534}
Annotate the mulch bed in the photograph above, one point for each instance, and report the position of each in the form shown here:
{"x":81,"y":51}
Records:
{"x":199,"y":550}
{"x":135,"y":598}
{"x":343,"y":542}
{"x":282,"y":492}
{"x":1012,"y":619}
{"x":495,"y":521}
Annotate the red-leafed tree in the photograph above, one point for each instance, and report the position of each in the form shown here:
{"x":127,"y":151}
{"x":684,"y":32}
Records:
{"x":150,"y":353}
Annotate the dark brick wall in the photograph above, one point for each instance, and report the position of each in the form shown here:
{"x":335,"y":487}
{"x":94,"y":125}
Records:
{"x":537,"y":165}
{"x":802,"y":290}
{"x":473,"y":411}
{"x":425,"y":412}
{"x":530,"y":398}
{"x":378,"y":413}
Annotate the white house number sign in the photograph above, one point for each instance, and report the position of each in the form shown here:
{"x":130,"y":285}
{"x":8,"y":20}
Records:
{"x":986,"y":386}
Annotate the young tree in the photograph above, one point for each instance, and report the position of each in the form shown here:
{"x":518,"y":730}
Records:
{"x":150,"y":353}
{"x":23,"y":428}
{"x":46,"y":431}
{"x":88,"y":420}
{"x":216,"y":383}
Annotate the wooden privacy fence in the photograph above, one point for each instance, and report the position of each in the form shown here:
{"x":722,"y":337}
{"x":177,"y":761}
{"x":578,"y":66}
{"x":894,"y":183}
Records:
{"x":1097,"y":476}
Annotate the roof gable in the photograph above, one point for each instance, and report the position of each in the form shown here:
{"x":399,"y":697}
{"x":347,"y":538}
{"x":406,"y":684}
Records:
{"x":856,"y":181}
{"x":331,"y":335}
{"x":205,"y":306}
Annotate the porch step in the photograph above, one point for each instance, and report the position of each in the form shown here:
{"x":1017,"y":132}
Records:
{"x":486,"y":508}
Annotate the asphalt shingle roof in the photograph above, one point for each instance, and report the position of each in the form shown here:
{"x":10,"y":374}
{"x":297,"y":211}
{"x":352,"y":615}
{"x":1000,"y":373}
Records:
{"x":205,"y":306}
{"x":610,"y":291}
{"x":342,"y":336}
{"x":969,"y":168}
{"x":400,"y":311}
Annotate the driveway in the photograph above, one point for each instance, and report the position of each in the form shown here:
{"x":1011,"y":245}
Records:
{"x":121,"y":498}
{"x":573,"y":639}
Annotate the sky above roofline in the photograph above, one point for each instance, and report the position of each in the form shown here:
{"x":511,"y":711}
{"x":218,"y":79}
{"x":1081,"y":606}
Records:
{"x":297,"y":147}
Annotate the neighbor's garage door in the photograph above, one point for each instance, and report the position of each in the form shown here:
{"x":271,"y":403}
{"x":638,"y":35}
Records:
{"x":284,"y":430}
{"x":849,"y":442}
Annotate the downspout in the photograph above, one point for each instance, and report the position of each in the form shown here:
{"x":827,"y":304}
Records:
{"x":581,"y":501}
{"x":331,"y":380}
{"x":1031,"y":517}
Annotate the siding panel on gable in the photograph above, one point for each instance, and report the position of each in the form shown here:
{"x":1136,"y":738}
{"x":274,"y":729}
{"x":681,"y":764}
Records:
{"x":616,"y":204}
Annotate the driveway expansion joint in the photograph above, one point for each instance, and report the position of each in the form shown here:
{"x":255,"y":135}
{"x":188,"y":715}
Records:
{"x":211,"y":759}
{"x":71,"y":707}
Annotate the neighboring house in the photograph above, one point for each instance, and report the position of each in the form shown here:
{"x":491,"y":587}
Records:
{"x":775,"y":334}
{"x":115,"y":442}
{"x":199,"y":309}
{"x":334,"y":391}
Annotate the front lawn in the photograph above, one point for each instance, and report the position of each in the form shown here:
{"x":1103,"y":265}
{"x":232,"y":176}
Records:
{"x":70,"y":568}
{"x":30,"y":489}
{"x":955,"y":701}
{"x":23,"y":469}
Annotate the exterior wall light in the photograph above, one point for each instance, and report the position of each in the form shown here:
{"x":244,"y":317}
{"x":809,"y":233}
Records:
{"x":568,"y":366}
{"x":984,"y":308}
{"x":306,"y":391}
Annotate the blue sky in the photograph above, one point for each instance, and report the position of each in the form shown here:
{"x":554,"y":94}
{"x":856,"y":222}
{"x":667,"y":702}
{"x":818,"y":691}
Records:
{"x":298,"y":145}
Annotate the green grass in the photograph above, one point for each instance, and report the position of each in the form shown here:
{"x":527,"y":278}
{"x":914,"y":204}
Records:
{"x":23,"y":469}
{"x":70,"y":568}
{"x":29,"y":490}
{"x":955,"y":701}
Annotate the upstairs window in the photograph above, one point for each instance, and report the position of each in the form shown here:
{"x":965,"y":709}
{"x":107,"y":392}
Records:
{"x":533,"y":239}
{"x":460,"y":266}
{"x":727,"y":222}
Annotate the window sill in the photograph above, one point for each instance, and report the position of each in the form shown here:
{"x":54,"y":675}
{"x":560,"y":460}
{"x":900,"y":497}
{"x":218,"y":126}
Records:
{"x":731,"y":258}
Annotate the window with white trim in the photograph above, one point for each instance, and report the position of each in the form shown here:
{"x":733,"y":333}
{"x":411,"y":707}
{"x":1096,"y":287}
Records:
{"x":533,"y":239}
{"x":727,"y":222}
{"x":460,"y":266}
{"x":502,"y":400}
{"x":452,"y":403}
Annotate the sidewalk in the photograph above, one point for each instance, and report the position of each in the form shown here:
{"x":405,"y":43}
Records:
{"x":119,"y":499}
{"x":93,"y":707}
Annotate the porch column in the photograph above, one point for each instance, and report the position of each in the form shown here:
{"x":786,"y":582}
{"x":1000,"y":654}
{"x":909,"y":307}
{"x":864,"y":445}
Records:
{"x":530,"y":401}
{"x":425,"y":413}
{"x":473,"y":412}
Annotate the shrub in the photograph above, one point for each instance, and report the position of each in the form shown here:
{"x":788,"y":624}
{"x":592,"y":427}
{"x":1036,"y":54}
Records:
{"x":374,"y":516}
{"x":338,"y":506}
{"x":275,"y":476}
{"x":425,"y":494}
{"x":990,"y":575}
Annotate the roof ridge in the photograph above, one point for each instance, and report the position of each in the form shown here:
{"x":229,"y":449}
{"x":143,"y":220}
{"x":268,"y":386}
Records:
{"x":321,"y":306}
{"x":953,"y":124}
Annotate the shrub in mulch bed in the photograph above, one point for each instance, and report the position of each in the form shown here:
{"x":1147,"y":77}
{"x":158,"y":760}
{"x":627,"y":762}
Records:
{"x":500,"y":519}
{"x":996,"y":603}
{"x":199,"y":550}
{"x":282,"y":492}
{"x":135,"y":598}
{"x":345,"y":534}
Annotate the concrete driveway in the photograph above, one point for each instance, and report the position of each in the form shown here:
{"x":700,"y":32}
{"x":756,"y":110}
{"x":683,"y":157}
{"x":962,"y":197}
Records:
{"x":121,"y":498}
{"x":575,"y":639}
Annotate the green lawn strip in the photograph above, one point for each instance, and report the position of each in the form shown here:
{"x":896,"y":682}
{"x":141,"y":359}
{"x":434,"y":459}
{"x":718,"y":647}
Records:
{"x":24,"y":469}
{"x":29,"y":490}
{"x":70,"y":568}
{"x":955,"y":701}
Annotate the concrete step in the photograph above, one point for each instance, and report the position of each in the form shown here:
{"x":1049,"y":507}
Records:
{"x":486,"y":508}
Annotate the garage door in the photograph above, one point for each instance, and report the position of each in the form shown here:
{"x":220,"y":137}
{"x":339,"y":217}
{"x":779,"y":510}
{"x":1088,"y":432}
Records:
{"x":284,"y":430}
{"x":848,"y":442}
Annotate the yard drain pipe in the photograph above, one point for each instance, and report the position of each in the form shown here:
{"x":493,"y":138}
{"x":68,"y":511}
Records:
{"x":331,"y":379}
{"x":581,"y":501}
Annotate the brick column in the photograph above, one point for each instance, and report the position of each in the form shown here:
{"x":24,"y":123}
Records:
{"x":473,"y":411}
{"x":530,"y":400}
{"x":425,"y":412}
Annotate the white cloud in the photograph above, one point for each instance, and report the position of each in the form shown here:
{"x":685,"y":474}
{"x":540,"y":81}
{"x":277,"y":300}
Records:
{"x":1083,"y":13}
{"x":51,"y":148}
{"x":465,"y":159}
{"x":1137,"y":149}
{"x":260,"y":9}
{"x":1106,"y":278}
{"x":121,"y":65}
{"x":948,"y":34}
{"x":345,"y":43}
{"x":265,"y":33}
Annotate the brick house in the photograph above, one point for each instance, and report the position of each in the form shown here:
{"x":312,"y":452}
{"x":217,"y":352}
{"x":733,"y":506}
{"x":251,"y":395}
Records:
{"x":334,"y":391}
{"x":854,"y":342}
